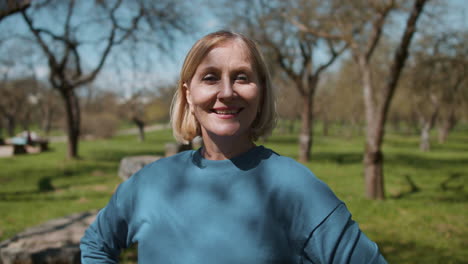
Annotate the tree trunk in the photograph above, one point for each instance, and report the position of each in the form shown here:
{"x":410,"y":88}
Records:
{"x":425,"y":143}
{"x":373,"y":155}
{"x":11,"y":125}
{"x":446,"y":126}
{"x":375,"y":120}
{"x":73,"y":118}
{"x":1,"y":129}
{"x":141,"y":133}
{"x":46,"y":123}
{"x":428,"y":124}
{"x":141,"y":128}
{"x":373,"y":170}
{"x":305,"y":136}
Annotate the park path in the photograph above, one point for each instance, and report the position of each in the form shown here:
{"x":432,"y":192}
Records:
{"x":129,"y":131}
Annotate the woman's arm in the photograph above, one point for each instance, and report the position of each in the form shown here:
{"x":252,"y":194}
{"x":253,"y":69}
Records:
{"x":338,"y":239}
{"x":107,"y":235}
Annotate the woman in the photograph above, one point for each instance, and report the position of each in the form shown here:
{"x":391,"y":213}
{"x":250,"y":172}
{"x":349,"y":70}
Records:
{"x":230,"y":201}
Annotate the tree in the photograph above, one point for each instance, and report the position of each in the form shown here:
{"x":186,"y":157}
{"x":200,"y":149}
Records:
{"x":296,"y":53}
{"x":339,"y":101}
{"x":65,"y":43}
{"x":100,"y":113}
{"x":436,"y":77}
{"x":363,"y":35}
{"x":15,"y":102}
{"x":134,"y":109}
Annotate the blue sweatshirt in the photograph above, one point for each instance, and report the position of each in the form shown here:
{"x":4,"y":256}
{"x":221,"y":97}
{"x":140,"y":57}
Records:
{"x":257,"y":208}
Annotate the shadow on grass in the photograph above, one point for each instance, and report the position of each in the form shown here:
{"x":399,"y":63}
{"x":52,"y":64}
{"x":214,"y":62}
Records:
{"x":413,"y":188}
{"x":46,"y":186}
{"x":450,"y":190}
{"x":410,"y":252}
{"x":340,"y":158}
{"x":423,"y":162}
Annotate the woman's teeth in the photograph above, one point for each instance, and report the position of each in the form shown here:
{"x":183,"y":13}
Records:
{"x":226,"y":112}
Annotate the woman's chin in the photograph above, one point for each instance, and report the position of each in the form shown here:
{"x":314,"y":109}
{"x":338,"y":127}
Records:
{"x":226,"y":131}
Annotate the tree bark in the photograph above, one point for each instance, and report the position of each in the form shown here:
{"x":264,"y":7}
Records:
{"x":373,"y":170}
{"x":73,"y":121}
{"x":305,"y":137}
{"x":141,"y":128}
{"x":428,"y":124}
{"x":373,"y":156}
{"x":425,"y":143}
{"x":11,"y":125}
{"x":446,"y":126}
{"x":46,"y":124}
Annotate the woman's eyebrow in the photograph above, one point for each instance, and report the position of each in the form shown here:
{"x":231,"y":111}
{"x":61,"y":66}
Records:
{"x":245,"y":68}
{"x":209,"y":68}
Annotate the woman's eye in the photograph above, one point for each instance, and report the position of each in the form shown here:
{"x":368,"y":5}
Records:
{"x":210,"y":78}
{"x":242,"y":77}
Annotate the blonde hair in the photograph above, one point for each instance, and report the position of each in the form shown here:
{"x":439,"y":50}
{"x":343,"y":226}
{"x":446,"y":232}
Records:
{"x":184,"y":124}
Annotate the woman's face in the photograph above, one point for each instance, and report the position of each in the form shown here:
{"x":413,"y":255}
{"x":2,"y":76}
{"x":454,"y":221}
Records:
{"x":224,"y":93}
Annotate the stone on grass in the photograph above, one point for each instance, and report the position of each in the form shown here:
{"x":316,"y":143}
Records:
{"x":130,"y":165}
{"x":54,"y":242}
{"x":174,"y":148}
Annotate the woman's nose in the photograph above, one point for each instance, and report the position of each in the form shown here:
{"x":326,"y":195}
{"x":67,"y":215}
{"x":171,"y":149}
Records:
{"x":226,"y":90}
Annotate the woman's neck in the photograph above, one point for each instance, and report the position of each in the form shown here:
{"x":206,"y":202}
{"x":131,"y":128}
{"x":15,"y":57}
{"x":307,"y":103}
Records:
{"x":225,"y":148}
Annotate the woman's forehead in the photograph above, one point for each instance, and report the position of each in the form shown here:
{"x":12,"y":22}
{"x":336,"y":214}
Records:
{"x":234,"y":53}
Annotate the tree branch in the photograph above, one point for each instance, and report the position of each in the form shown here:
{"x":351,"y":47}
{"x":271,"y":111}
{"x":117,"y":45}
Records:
{"x":401,"y":53}
{"x":377,"y":27}
{"x":42,"y":44}
{"x":334,"y":55}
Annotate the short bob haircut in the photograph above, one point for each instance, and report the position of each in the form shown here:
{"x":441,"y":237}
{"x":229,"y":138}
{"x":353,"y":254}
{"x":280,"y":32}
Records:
{"x":184,"y":124}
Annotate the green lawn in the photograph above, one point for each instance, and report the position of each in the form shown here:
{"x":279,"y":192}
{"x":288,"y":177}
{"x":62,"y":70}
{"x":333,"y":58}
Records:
{"x":427,"y":226}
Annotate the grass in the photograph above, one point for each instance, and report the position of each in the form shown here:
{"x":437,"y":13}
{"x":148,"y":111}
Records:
{"x":424,"y":226}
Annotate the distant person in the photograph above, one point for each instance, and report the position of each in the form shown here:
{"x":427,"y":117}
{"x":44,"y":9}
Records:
{"x":229,"y":201}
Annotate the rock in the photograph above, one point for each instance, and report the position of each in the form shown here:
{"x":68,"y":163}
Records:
{"x":174,"y":148}
{"x":197,"y":142}
{"x":54,"y":242}
{"x":130,"y":165}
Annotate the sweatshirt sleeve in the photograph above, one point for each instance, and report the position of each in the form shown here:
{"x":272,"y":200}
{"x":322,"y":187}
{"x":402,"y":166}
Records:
{"x":338,"y":239}
{"x":107,"y":235}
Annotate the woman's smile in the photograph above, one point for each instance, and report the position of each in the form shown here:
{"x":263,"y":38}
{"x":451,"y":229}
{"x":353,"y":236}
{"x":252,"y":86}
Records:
{"x":227,"y":112}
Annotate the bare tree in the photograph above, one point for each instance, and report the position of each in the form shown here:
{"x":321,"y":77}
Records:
{"x":64,"y":42}
{"x":437,"y":75}
{"x":16,"y":106}
{"x":134,"y":110}
{"x":363,"y":35}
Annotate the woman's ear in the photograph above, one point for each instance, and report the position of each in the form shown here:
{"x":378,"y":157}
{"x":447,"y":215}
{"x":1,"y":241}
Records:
{"x":188,"y":96}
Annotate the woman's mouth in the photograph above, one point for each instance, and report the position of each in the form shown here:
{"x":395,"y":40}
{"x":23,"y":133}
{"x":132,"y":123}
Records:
{"x":226,"y":112}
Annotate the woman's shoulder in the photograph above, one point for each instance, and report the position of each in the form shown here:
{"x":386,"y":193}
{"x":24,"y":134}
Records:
{"x":290,"y":176}
{"x":282,"y":165}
